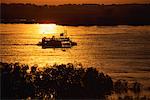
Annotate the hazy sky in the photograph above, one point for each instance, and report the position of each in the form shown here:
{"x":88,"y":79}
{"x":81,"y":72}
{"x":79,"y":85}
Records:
{"x":56,"y":2}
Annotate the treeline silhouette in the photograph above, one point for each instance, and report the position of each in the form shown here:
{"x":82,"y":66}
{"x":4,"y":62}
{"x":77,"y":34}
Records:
{"x":73,"y":14}
{"x":58,"y":82}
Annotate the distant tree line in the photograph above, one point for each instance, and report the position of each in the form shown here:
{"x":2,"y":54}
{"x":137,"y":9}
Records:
{"x":72,"y":14}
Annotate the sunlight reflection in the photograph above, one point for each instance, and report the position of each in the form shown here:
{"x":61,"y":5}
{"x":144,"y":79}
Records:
{"x":48,"y":29}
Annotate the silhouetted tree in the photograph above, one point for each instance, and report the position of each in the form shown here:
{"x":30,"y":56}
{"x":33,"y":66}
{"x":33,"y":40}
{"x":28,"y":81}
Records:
{"x":57,"y":82}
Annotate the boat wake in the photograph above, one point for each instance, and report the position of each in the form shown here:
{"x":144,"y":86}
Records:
{"x":17,"y":44}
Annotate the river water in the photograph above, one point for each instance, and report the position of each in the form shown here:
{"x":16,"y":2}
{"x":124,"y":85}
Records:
{"x":123,"y":52}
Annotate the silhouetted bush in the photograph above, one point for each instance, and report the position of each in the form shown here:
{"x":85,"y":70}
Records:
{"x":59,"y":82}
{"x":122,"y":86}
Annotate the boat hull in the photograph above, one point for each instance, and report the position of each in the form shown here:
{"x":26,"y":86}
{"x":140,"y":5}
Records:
{"x":56,"y":45}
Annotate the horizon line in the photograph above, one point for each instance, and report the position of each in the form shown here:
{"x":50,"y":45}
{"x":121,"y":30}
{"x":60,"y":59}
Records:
{"x":79,"y":4}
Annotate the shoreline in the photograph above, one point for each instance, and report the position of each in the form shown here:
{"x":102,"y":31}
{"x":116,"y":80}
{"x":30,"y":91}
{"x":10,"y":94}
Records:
{"x":78,"y":24}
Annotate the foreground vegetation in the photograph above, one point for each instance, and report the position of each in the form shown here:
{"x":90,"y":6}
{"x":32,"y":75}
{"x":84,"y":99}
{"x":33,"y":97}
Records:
{"x":58,"y":82}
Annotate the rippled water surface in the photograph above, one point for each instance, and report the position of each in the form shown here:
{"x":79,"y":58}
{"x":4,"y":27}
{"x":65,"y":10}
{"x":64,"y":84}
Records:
{"x":121,"y":51}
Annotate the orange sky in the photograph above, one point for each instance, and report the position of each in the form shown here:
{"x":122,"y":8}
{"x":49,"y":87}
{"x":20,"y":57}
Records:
{"x":56,"y":2}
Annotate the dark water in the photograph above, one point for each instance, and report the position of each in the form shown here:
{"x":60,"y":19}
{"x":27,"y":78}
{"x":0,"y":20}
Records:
{"x":121,"y":51}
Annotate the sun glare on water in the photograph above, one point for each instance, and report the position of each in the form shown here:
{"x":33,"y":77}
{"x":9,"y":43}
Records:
{"x":48,"y":29}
